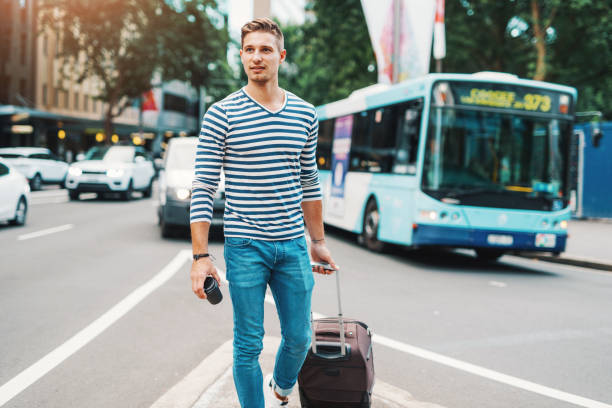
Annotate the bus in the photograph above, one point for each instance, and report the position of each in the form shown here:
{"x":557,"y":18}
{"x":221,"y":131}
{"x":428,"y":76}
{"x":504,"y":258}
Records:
{"x":478,"y":161}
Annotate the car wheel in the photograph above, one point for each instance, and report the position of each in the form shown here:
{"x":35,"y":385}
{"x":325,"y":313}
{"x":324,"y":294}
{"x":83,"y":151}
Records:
{"x":371,"y":223}
{"x":148,"y":192}
{"x":20,"y":212}
{"x":36,"y":182}
{"x":488,"y":255}
{"x":127,"y":194}
{"x":73,"y":194}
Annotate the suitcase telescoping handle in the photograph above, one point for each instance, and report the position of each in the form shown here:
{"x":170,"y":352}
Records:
{"x":340,"y":320}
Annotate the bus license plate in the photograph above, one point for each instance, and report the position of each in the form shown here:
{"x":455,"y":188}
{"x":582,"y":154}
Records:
{"x":496,"y":239}
{"x":545,"y":240}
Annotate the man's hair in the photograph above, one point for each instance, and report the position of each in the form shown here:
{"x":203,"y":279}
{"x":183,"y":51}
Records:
{"x":266,"y":25}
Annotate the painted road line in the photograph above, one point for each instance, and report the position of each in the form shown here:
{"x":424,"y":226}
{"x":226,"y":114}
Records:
{"x":209,"y":385}
{"x":489,"y":374}
{"x":37,"y":370}
{"x":44,"y":232}
{"x":49,"y":193}
{"x":472,"y":368}
{"x":211,"y":398}
{"x":56,"y":200}
{"x":186,"y":392}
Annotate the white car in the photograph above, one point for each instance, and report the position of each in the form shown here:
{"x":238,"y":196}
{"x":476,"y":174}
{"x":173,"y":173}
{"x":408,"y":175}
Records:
{"x":14,"y":195}
{"x":114,"y":169}
{"x":175,"y":180}
{"x":38,"y":164}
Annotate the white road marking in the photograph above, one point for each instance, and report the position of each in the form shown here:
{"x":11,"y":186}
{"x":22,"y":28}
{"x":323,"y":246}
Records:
{"x":210,"y":385}
{"x":498,"y":284}
{"x":211,"y":396}
{"x":489,"y":374}
{"x":56,"y":200}
{"x":37,"y":370}
{"x":48,"y":193}
{"x":44,"y":232}
{"x":474,"y":369}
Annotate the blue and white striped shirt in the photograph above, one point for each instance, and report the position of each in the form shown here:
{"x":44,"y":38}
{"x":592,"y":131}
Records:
{"x":269,"y":163}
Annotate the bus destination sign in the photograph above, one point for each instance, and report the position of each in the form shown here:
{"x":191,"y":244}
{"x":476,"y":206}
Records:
{"x":511,"y":97}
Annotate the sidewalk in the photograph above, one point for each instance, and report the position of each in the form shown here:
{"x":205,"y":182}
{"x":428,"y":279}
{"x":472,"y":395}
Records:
{"x":210,"y":385}
{"x":589,"y":245}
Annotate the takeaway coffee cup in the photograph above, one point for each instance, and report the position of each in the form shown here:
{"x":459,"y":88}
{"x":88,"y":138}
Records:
{"x":211,"y":288}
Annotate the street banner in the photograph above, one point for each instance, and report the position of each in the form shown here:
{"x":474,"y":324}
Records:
{"x":439,"y":48}
{"x":412,"y":39}
{"x":341,"y":147}
{"x":148,"y":101}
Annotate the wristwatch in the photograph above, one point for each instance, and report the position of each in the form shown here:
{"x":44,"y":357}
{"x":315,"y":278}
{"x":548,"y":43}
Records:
{"x":198,"y":256}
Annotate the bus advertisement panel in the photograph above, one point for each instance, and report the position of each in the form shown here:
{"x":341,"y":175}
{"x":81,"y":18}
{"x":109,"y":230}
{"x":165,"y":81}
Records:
{"x":340,"y":157}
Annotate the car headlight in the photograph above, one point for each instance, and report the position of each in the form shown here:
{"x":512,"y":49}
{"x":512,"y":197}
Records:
{"x":75,"y":171}
{"x":115,"y":172}
{"x":182,"y":193}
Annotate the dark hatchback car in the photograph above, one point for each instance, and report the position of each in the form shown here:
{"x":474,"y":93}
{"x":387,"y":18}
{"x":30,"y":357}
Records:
{"x":175,"y":180}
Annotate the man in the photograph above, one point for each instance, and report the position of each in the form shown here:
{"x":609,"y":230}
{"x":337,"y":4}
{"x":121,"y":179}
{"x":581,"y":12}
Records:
{"x":265,"y":139}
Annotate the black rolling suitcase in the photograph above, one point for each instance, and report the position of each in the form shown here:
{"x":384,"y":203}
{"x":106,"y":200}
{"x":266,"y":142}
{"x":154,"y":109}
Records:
{"x":339,"y":368}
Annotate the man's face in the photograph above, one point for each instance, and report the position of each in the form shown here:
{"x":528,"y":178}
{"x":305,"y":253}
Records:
{"x":261,"y":56}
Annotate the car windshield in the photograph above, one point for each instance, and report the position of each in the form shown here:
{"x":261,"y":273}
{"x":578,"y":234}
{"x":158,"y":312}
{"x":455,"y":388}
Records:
{"x":122,"y":154}
{"x":11,"y":155}
{"x":471,"y":153}
{"x":181,"y":156}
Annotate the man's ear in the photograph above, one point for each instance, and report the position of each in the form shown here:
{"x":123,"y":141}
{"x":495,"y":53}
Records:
{"x":283,"y":55}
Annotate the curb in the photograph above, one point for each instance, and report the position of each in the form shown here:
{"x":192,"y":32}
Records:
{"x":212,"y":381}
{"x":574,"y":261}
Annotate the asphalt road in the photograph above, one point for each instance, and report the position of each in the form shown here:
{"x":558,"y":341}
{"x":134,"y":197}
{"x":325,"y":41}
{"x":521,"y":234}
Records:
{"x":549,"y":325}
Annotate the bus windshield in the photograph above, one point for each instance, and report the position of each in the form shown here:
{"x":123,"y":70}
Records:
{"x":496,"y":159}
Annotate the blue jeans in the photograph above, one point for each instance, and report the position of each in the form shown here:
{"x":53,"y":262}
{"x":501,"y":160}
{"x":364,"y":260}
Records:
{"x":252,"y":265}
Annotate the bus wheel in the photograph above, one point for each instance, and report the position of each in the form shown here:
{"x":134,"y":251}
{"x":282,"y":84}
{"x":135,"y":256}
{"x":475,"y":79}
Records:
{"x":371,"y":222}
{"x":489,"y":255}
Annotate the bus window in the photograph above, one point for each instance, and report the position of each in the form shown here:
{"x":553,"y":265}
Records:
{"x":360,"y":143}
{"x":324,"y":144}
{"x":383,"y":123}
{"x":407,"y":136}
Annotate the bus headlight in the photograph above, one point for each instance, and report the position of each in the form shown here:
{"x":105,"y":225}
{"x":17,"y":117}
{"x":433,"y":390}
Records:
{"x":563,"y":224}
{"x":430,"y":215}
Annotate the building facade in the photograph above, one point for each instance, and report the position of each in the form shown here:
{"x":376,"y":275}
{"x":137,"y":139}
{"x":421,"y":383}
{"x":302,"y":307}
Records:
{"x":39,"y":107}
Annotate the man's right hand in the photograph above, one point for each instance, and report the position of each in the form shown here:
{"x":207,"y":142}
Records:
{"x":200,"y":269}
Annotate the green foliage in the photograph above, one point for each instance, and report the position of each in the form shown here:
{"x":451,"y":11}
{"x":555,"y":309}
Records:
{"x":499,"y":35}
{"x":123,"y":43}
{"x":328,"y":58}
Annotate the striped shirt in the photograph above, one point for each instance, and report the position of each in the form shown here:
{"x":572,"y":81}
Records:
{"x":268,"y":159}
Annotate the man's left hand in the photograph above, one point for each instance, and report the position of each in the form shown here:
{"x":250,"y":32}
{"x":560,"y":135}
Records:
{"x":320,"y":253}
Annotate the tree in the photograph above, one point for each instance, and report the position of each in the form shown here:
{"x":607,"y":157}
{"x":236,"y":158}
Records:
{"x":559,"y":41}
{"x":329,"y":56}
{"x":123,"y":43}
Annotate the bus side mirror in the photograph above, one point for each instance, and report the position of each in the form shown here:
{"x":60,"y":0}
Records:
{"x":596,"y":136}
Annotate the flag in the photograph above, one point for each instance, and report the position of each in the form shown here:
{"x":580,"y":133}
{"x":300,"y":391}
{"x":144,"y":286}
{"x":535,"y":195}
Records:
{"x":413,"y":50}
{"x":148,"y":101}
{"x":439,"y":48}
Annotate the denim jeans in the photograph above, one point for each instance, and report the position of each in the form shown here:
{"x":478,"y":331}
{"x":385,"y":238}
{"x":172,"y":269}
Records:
{"x":252,"y":265}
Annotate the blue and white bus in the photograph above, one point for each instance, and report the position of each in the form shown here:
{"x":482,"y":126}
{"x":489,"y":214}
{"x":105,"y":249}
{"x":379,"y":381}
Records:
{"x":476,"y":161}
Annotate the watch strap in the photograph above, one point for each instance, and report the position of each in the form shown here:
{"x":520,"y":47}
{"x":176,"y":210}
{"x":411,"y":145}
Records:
{"x":199,"y":256}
